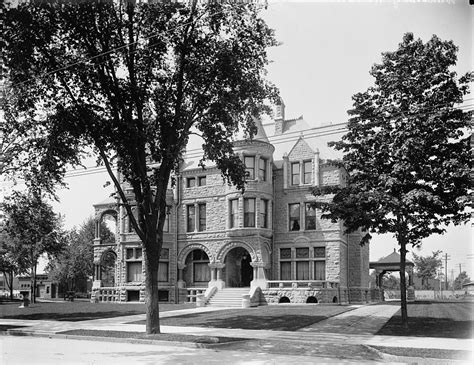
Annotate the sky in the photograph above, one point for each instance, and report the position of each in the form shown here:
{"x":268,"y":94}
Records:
{"x":326,"y":52}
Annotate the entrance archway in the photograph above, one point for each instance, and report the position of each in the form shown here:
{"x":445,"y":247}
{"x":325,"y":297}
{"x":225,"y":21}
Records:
{"x":238,"y":271}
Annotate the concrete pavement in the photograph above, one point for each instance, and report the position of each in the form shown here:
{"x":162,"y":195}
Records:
{"x":355,"y":327}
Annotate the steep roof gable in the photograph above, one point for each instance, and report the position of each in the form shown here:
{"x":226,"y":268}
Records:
{"x":301,"y":150}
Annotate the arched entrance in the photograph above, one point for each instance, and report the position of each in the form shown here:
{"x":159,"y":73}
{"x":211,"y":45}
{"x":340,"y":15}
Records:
{"x":238,"y":271}
{"x":107,"y":268}
{"x":197,"y":272}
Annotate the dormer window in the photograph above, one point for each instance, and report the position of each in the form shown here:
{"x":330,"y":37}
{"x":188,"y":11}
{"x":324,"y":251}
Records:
{"x":307,"y":171}
{"x":295,"y":173}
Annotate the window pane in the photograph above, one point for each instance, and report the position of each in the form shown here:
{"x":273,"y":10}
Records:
{"x":285,"y":253}
{"x":129,"y":253}
{"x":202,"y":181}
{"x":249,"y":212}
{"x":295,"y":173}
{"x":320,"y":270}
{"x":234,"y":206}
{"x":138,"y":253}
{"x":134,"y":271}
{"x":302,"y":253}
{"x":308,"y":171}
{"x":202,"y":272}
{"x":190,"y":218}
{"x":310,"y":217}
{"x":302,"y":270}
{"x":202,"y":217}
{"x":250,"y":166}
{"x":263,"y":213}
{"x":163,"y":271}
{"x":191,"y":182}
{"x":262,"y":170}
{"x":165,"y":254}
{"x":285,"y":270}
{"x":320,"y":252}
{"x":294,"y":217}
{"x":166,"y":225}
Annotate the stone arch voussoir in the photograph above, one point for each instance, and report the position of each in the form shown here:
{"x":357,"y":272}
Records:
{"x":231,"y":245}
{"x":195,"y":246}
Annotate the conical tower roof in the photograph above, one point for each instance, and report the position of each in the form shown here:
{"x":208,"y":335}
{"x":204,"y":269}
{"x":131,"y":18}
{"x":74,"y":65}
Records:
{"x":259,"y":136}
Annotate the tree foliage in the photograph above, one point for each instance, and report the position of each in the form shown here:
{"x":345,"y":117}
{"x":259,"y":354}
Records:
{"x":32,"y":229}
{"x":427,"y":266}
{"x":75,"y":262}
{"x":135,"y":81}
{"x":461,"y":279}
{"x":406,"y":151}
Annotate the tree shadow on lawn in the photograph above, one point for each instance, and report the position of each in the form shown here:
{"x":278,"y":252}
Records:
{"x":291,"y":322}
{"x":71,"y":317}
{"x":428,"y":327}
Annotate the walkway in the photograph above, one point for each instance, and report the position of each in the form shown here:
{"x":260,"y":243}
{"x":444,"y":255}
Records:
{"x":354,"y":327}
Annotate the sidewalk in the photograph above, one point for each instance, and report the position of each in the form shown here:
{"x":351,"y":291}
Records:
{"x":355,"y":327}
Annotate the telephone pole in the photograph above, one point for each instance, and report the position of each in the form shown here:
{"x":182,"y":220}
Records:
{"x":446,"y":258}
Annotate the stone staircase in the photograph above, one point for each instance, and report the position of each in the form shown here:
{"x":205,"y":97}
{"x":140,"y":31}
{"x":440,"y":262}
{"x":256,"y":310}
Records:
{"x":228,"y":297}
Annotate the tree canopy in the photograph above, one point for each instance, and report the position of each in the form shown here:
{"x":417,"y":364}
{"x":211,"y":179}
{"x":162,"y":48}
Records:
{"x":406,"y":152}
{"x":427,"y":266}
{"x":134,"y":81}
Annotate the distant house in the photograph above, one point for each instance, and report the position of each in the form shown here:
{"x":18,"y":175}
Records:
{"x":469,"y":287}
{"x":45,"y":288}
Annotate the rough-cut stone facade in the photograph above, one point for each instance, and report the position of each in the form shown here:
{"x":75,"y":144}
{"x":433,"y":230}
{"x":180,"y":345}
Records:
{"x":218,"y":237}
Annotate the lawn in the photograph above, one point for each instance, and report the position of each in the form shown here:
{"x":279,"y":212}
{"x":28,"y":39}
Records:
{"x":433,"y":319}
{"x":78,"y":311}
{"x":272,"y":317}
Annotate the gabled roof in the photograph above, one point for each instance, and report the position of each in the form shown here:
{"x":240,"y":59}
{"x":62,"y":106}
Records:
{"x":393,"y":258}
{"x":301,"y":148}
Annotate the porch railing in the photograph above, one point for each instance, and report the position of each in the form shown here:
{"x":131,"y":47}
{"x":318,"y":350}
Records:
{"x":193,"y":293}
{"x":302,"y":284}
{"x":107,"y":294}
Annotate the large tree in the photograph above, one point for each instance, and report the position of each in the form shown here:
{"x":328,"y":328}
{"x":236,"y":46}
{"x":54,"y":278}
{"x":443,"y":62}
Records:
{"x":134,"y":81}
{"x":406,"y":151}
{"x":427,"y":266}
{"x":75,"y":262}
{"x":32,"y":229}
{"x":461,"y":279}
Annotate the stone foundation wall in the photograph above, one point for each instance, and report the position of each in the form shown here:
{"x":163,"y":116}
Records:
{"x":299,"y":296}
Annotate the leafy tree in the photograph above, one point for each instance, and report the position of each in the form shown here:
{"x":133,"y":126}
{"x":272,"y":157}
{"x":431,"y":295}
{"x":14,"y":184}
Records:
{"x":7,"y":264}
{"x":427,"y":266}
{"x":461,"y":279}
{"x":75,"y":262}
{"x":406,"y":151}
{"x":33,"y":229}
{"x":135,"y":81}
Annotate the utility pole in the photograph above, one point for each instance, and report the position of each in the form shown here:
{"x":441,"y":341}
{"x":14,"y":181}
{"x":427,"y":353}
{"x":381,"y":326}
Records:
{"x":446,"y":258}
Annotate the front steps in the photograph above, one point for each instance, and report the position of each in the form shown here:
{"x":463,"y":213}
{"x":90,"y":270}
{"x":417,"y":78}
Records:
{"x":228,"y":297}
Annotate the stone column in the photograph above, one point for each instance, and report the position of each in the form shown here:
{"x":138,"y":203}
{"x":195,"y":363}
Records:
{"x":316,"y":168}
{"x":216,"y":275}
{"x":181,"y":282}
{"x":259,"y":279}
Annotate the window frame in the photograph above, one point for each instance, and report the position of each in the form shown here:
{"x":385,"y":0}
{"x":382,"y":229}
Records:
{"x":201,"y":179}
{"x":248,"y":169}
{"x":190,"y":218}
{"x":202,"y":224}
{"x":295,"y":174}
{"x":263,"y":221}
{"x":307,"y":173}
{"x":262,"y":172}
{"x":189,"y":180}
{"x":249,"y":223}
{"x":290,"y":222}
{"x":233,"y":216}
{"x":307,"y":208}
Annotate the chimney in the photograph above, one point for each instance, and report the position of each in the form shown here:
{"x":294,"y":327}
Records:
{"x":279,"y":117}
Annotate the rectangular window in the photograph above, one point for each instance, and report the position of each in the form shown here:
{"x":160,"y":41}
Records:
{"x":190,"y":182}
{"x":166,"y":225}
{"x":249,"y":212}
{"x":202,"y":180}
{"x":320,"y":270}
{"x":302,"y":253}
{"x":262,"y":169}
{"x":190,"y":215}
{"x":129,"y":253}
{"x":135,"y":214}
{"x":294,"y":210}
{"x":134,"y":271}
{"x":310,"y":217}
{"x":202,"y":217}
{"x":250,"y":167}
{"x":234,"y":213}
{"x":138,"y":253}
{"x":263,"y":213}
{"x":295,"y":173}
{"x":163,"y":272}
{"x":302,"y":270}
{"x":307,"y":172}
{"x":320,"y":252}
{"x":285,"y":253}
{"x":201,"y":272}
{"x":285,"y":270}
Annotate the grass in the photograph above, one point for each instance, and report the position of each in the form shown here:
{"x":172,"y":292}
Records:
{"x":425,"y":353}
{"x":280,"y":318}
{"x":433,"y":319}
{"x":176,"y":337}
{"x":78,"y":311}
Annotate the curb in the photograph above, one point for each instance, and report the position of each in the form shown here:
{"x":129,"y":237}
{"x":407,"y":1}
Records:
{"x":19,"y":333}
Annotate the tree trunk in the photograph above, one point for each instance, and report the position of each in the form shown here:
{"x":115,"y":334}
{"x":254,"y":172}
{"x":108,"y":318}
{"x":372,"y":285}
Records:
{"x":403,"y":285}
{"x":34,"y":284}
{"x":152,"y":259}
{"x":11,"y":285}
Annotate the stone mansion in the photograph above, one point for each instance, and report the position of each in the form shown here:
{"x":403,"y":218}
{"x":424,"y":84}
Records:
{"x":266,"y":246}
